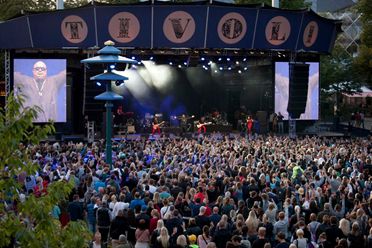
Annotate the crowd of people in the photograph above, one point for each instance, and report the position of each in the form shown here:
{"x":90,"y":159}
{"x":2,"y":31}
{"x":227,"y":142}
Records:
{"x":215,"y":191}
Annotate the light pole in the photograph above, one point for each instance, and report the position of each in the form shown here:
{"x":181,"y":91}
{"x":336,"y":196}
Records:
{"x":109,"y":57}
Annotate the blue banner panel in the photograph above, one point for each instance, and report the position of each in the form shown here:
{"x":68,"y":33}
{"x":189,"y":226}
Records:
{"x":15,"y":34}
{"x":68,"y":28}
{"x":179,"y":26}
{"x":127,"y":26}
{"x":277,"y":29}
{"x":231,"y":27}
{"x":317,"y":34}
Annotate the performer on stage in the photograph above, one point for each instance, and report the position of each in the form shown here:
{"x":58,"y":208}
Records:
{"x":156,"y":126}
{"x":201,"y":125}
{"x":249,"y":125}
{"x":185,"y":126}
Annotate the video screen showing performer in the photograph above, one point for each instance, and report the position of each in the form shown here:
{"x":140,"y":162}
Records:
{"x":43,"y":83}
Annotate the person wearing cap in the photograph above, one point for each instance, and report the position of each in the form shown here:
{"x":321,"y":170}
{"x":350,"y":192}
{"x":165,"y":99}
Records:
{"x":192,"y":241}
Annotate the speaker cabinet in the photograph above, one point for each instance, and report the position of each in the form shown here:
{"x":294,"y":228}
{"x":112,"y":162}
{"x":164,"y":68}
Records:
{"x":298,"y":87}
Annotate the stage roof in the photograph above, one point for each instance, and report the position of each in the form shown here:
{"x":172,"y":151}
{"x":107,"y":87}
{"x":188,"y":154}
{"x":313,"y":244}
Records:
{"x":161,"y":25}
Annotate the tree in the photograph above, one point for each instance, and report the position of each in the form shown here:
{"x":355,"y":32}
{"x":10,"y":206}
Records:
{"x":363,"y":62}
{"x":29,"y":222}
{"x":284,"y":4}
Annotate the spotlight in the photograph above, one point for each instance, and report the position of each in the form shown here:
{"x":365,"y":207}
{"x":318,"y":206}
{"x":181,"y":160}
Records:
{"x":179,"y":66}
{"x":112,"y":67}
{"x":215,"y":71}
{"x":206,"y":68}
{"x":245,"y":68}
{"x":237,"y":62}
{"x":134,"y":66}
{"x":202,"y":59}
{"x":229,"y":68}
{"x":133,"y":57}
{"x":239,"y":71}
{"x":228,"y":59}
{"x":245,"y":59}
{"x":139,"y":62}
{"x":151,"y":58}
{"x":210,"y":62}
{"x":219,"y":59}
{"x":170,"y":63}
{"x":185,"y":63}
{"x":221,"y":68}
{"x":98,"y":84}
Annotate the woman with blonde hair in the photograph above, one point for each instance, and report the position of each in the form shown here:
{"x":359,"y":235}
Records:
{"x":155,"y":217}
{"x":156,"y":200}
{"x":271,"y":212}
{"x":156,"y":232}
{"x":163,"y":239}
{"x":252,"y":223}
{"x":344,"y":226}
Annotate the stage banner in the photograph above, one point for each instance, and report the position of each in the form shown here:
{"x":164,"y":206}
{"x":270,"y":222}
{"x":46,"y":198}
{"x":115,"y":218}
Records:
{"x":231,"y":27}
{"x":127,"y":26}
{"x":15,"y":33}
{"x":179,"y":26}
{"x":310,"y":38}
{"x":277,"y":29}
{"x":68,"y":28}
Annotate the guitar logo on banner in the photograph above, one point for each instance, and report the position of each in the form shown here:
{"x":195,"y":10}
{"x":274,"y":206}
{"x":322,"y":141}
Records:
{"x":124,"y":27}
{"x":74,"y":29}
{"x":310,"y":34}
{"x":179,"y":27}
{"x":278,"y":30}
{"x":231,"y":28}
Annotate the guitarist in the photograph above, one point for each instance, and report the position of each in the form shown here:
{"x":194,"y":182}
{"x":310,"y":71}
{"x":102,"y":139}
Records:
{"x":201,"y":125}
{"x":156,"y":126}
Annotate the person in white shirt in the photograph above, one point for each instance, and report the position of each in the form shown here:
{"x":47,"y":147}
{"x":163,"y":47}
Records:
{"x":120,"y":205}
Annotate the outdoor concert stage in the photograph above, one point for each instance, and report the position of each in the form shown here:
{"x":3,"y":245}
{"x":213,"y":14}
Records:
{"x":193,"y":59}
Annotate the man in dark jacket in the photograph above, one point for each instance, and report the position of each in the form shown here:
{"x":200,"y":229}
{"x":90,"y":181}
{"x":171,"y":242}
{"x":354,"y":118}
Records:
{"x":103,"y":223}
{"x":75,"y":209}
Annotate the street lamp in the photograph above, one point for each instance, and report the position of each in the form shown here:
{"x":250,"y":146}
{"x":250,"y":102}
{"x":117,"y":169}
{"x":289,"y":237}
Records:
{"x":109,"y":57}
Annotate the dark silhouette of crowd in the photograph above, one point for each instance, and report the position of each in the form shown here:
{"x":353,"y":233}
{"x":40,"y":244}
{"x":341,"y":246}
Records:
{"x":214,"y":191}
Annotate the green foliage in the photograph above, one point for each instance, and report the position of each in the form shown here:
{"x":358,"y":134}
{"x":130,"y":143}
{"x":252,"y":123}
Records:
{"x":31,"y":224}
{"x":336,"y":69}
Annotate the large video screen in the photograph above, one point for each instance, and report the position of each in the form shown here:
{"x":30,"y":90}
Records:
{"x":43,"y":83}
{"x":282,"y":91}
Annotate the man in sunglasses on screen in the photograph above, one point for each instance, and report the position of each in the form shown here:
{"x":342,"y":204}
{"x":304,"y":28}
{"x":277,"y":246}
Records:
{"x":43,"y":91}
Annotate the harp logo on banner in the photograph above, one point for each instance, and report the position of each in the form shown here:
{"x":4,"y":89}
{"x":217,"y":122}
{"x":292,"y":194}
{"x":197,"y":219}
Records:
{"x":124,"y":27}
{"x":179,"y":27}
{"x":74,"y":29}
{"x":278,"y":30}
{"x":310,"y":34}
{"x":231,"y":28}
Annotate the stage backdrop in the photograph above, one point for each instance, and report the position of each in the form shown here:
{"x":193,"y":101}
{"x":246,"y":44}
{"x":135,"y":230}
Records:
{"x":172,"y":26}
